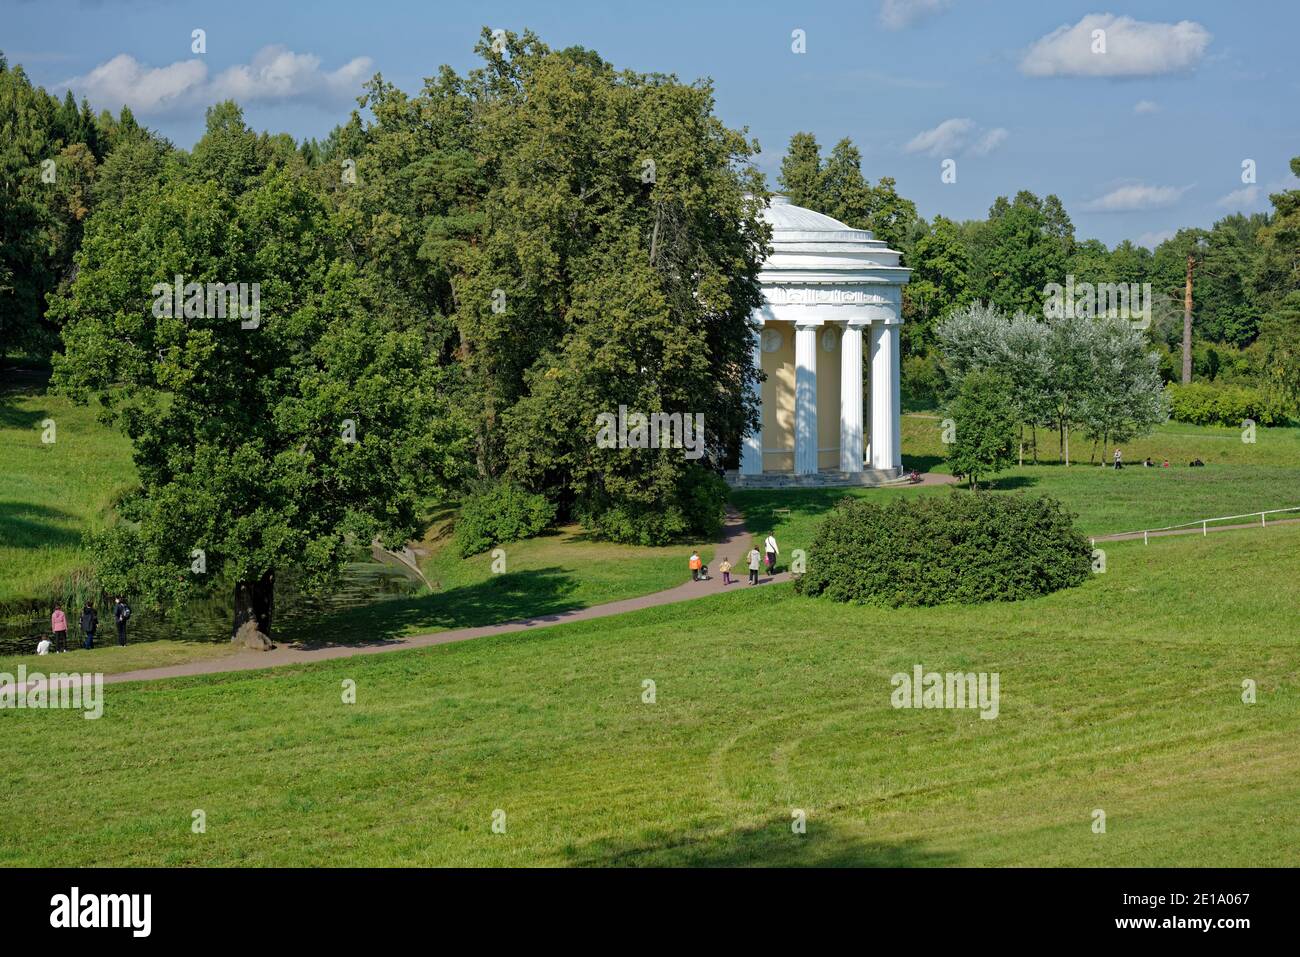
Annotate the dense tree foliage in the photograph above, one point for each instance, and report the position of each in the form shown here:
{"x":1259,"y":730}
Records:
{"x":271,"y":428}
{"x":580,"y":239}
{"x":1072,"y":372}
{"x":834,"y":185}
{"x":448,"y":295}
{"x":50,"y":152}
{"x":985,"y":427}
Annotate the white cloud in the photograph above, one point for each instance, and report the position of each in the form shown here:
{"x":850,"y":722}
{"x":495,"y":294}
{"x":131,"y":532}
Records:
{"x":1242,"y":198}
{"x":1136,"y":197}
{"x":954,"y":136}
{"x":1153,"y":239}
{"x":277,"y":73}
{"x":898,"y":14}
{"x":1146,"y":106}
{"x":274,"y":74}
{"x":990,"y":141}
{"x":1287,"y":182}
{"x":1132,"y":48}
{"x":147,"y":90}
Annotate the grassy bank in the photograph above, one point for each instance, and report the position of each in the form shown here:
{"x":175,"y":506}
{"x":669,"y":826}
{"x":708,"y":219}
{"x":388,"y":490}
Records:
{"x":1122,"y":695}
{"x":53,"y":493}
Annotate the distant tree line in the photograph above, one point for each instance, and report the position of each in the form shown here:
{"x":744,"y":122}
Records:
{"x":1246,"y":288}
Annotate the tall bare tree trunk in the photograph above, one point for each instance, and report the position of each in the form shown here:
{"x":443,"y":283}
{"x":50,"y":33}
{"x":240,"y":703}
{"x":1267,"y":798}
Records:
{"x":1187,"y":322}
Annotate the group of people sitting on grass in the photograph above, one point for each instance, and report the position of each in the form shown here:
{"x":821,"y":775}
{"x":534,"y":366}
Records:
{"x":1147,"y":463}
{"x":58,"y":641}
{"x":700,"y":571}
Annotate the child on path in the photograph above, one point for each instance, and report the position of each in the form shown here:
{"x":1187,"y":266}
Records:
{"x":725,"y":568}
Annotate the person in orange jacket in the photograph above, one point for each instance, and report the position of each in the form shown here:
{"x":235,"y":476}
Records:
{"x":696,"y":564}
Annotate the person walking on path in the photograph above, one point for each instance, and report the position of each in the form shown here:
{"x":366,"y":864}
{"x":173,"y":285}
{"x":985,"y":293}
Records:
{"x":59,"y":625}
{"x":89,"y":622}
{"x":725,"y":568}
{"x":772,"y":551}
{"x":121,"y":614}
{"x":754,"y":559}
{"x":696,"y":564}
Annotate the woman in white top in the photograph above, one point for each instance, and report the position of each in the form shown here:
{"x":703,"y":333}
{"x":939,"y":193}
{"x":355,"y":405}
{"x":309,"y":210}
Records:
{"x":769,"y":546}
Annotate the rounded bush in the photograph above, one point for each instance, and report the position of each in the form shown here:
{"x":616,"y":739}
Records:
{"x":959,"y":548}
{"x":499,"y":513}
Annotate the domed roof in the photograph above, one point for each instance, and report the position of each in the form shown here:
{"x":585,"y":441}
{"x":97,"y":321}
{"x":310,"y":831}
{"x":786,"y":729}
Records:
{"x":790,"y":223}
{"x":811,"y":246}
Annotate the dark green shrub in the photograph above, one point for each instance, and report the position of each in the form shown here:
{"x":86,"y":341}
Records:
{"x":1203,"y":404}
{"x":943,"y":549}
{"x":501,"y":512}
{"x":695,"y":510}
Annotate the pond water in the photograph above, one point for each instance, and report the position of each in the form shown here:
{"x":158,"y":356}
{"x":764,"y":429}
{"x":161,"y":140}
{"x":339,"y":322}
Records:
{"x":209,"y":619}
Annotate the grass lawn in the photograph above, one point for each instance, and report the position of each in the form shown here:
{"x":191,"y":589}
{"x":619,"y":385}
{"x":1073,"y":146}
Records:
{"x":923,"y":447}
{"x":1240,"y":478}
{"x":1105,"y":501}
{"x":561,"y":570}
{"x":51,"y":494}
{"x":108,"y":659}
{"x":1123,"y":694}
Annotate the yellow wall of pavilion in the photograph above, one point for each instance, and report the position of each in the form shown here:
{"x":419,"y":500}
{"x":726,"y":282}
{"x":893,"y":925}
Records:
{"x":778,"y":402}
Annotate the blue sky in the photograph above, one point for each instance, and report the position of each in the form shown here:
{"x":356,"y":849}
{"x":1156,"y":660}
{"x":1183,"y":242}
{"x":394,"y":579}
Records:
{"x":1138,"y":140}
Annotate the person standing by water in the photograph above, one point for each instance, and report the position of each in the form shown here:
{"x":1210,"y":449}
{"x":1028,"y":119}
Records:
{"x":754,"y":559}
{"x":59,"y":625}
{"x":121,"y":614}
{"x":89,"y":622}
{"x":772,"y":551}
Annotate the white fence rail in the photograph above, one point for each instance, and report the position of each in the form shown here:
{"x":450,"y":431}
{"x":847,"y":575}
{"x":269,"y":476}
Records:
{"x":1203,"y":524}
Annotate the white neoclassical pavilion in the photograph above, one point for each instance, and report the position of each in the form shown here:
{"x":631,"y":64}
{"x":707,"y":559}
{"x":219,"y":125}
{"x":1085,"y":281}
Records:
{"x":828,"y":288}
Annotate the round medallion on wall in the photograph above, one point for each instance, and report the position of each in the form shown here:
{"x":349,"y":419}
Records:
{"x":829,"y":338}
{"x":771,"y":340}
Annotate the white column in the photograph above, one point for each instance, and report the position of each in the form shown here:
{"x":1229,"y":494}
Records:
{"x":851,"y":399}
{"x":805,"y":400}
{"x":751,"y":453}
{"x":886,"y":448}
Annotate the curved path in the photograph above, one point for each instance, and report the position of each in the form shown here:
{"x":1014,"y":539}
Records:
{"x":735,"y":540}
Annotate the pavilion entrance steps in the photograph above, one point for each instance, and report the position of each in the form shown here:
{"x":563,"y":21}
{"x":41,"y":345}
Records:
{"x":827,"y":478}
